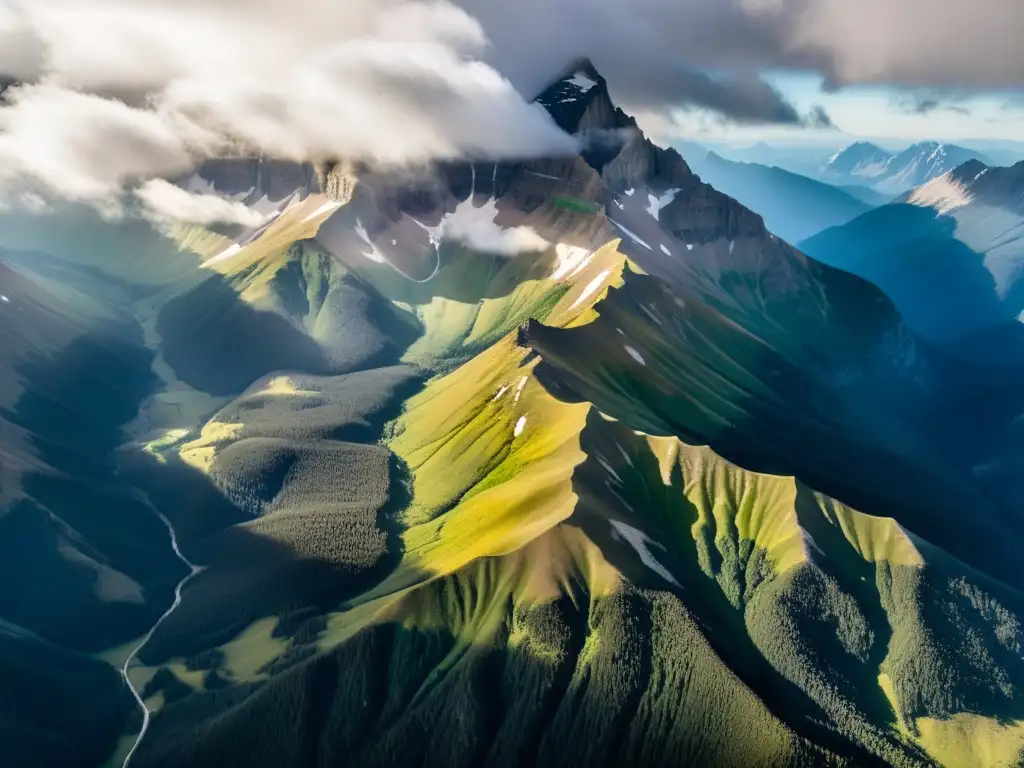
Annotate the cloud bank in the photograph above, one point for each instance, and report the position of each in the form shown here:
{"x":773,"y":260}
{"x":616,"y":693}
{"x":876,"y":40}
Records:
{"x":117,"y":92}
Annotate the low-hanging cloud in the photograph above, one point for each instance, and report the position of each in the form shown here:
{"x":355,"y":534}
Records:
{"x":163,"y":202}
{"x":113,"y":93}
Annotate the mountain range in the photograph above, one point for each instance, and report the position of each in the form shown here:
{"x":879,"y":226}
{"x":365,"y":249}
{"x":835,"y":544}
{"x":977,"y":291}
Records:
{"x":950,"y":253}
{"x":562,"y":462}
{"x":794,"y":207}
{"x":894,"y":173}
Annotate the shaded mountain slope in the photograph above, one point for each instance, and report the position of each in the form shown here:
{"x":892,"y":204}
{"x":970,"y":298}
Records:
{"x":794,"y":207}
{"x":949,"y":253}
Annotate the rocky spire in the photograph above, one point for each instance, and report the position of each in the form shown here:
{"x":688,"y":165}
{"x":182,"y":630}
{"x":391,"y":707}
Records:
{"x":612,"y":142}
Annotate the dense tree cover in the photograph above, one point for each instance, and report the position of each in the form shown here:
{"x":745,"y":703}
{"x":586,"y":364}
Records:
{"x":57,"y":708}
{"x":315,"y":514}
{"x":574,"y":689}
{"x":218,"y":344}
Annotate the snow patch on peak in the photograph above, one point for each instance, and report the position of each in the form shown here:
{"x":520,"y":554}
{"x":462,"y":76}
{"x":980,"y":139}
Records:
{"x":635,"y":355}
{"x":374,"y":253}
{"x":581,"y":81}
{"x":224,"y":255}
{"x":329,"y":207}
{"x":519,"y":389}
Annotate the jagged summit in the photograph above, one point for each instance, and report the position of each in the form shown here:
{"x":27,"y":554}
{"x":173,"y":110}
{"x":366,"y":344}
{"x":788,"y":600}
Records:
{"x":582,"y":66}
{"x":580,"y":91}
{"x":612,"y":142}
{"x":968,"y":171}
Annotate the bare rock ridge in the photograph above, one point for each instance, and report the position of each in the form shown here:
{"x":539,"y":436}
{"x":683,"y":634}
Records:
{"x":611,"y":140}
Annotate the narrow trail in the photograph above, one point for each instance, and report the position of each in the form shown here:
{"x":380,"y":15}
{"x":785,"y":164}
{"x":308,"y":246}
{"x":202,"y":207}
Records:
{"x":193,"y":570}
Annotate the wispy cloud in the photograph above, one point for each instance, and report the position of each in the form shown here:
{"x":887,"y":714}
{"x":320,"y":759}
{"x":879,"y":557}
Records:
{"x":163,"y":202}
{"x":930,"y":102}
{"x":819,"y":118}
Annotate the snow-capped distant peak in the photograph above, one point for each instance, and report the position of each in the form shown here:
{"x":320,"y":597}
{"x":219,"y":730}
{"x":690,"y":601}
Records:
{"x":861,"y":159}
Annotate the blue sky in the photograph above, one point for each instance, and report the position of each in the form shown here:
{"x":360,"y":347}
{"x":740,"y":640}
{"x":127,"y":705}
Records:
{"x":874,"y":112}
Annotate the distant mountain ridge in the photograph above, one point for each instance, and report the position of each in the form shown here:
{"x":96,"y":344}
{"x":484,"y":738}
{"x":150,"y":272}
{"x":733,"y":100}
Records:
{"x":860,"y":160}
{"x":949,"y":252}
{"x":893,"y":173}
{"x":793,"y":206}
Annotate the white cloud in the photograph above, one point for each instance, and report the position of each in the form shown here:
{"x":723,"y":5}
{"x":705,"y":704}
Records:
{"x":131,"y":90}
{"x":488,"y":237}
{"x":162,"y":201}
{"x":85,"y":147}
{"x":478,"y":228}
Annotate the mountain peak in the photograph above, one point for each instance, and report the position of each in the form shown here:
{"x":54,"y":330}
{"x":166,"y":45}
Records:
{"x":585,"y":67}
{"x":858,"y":159}
{"x":969,"y":171}
{"x":575,"y":88}
{"x":579,"y":101}
{"x":863,"y":147}
{"x":611,"y":141}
